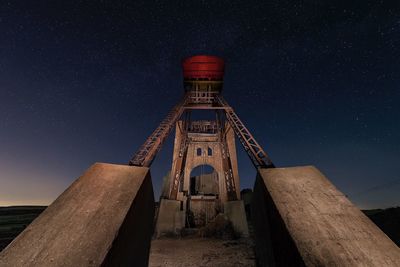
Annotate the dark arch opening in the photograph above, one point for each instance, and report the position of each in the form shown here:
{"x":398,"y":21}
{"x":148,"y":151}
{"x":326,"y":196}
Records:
{"x":204,"y":181}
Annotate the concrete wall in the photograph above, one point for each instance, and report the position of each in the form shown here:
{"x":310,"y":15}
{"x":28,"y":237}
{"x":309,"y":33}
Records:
{"x":193,"y":160}
{"x":170,"y":218}
{"x":300,"y":219}
{"x":206,"y":183}
{"x":104,"y":218}
{"x":205,"y":141}
{"x":204,"y":209}
{"x":165,"y":186}
{"x":235,"y":212}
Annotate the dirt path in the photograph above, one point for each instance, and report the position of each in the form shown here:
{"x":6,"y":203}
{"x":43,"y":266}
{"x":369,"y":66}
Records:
{"x":198,"y":252}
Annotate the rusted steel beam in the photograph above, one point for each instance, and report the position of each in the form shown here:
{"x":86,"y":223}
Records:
{"x":148,"y":151}
{"x":191,"y":107}
{"x":228,"y":173}
{"x":256,"y":153}
{"x":179,"y":166}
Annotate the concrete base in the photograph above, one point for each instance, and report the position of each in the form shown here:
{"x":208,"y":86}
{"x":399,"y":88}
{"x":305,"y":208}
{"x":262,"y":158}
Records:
{"x":103,"y":219}
{"x":170,"y":219}
{"x":236,"y":213}
{"x":301,"y":219}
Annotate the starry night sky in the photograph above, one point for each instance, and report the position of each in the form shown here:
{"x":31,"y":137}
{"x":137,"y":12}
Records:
{"x":315,"y":82}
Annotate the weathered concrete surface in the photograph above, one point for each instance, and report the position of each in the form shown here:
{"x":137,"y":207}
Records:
{"x":300,"y":219}
{"x":204,"y":209}
{"x":205,"y":184}
{"x":203,"y":142}
{"x":236,"y":213}
{"x":104,"y":218}
{"x":170,"y":218}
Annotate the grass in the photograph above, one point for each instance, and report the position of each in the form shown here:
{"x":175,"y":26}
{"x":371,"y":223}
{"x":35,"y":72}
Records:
{"x":13,"y":220}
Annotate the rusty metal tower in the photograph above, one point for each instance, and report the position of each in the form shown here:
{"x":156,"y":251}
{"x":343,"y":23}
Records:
{"x":203,"y":83}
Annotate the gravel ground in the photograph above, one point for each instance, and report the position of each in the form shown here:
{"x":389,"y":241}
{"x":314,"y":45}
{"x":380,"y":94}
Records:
{"x":199,"y":252}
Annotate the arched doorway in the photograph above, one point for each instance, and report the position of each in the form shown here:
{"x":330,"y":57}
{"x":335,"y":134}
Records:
{"x":203,"y":197}
{"x":204,"y":181}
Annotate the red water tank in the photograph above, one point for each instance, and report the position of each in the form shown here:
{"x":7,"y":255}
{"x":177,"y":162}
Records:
{"x":203,"y":67}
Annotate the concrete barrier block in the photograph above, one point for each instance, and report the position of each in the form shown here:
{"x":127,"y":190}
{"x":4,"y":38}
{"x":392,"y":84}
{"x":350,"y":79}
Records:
{"x":236,"y":213}
{"x":300,"y":219}
{"x":105,"y":218}
{"x":170,"y":219}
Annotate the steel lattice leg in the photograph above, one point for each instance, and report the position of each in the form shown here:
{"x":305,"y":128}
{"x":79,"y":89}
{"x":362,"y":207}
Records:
{"x":148,"y":151}
{"x":256,"y":153}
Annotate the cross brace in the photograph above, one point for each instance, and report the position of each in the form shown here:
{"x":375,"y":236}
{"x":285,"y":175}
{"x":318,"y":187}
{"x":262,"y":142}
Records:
{"x":147,"y":152}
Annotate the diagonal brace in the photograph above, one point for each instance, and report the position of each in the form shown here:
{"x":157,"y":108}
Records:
{"x":148,"y":151}
{"x":256,"y":153}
